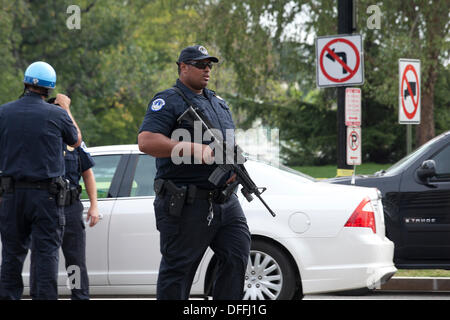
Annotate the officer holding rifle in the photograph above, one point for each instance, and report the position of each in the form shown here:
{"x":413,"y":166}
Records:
{"x":192,"y":213}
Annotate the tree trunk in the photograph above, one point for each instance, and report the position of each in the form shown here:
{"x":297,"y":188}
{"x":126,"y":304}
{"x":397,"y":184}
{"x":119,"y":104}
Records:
{"x":436,"y":30}
{"x":425,"y":130}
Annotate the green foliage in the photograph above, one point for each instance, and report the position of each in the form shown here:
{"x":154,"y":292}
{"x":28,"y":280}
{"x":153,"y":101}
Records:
{"x":125,"y":52}
{"x":252,"y":35}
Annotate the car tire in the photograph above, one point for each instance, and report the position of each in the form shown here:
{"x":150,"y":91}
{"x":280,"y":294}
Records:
{"x":270,"y":273}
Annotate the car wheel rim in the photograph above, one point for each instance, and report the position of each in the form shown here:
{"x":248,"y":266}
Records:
{"x":263,"y":277}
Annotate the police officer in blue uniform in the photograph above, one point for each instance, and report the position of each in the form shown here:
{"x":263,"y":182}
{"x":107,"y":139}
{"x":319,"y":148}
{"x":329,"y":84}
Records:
{"x":78,"y":163}
{"x":32,"y":133}
{"x":201,"y":220}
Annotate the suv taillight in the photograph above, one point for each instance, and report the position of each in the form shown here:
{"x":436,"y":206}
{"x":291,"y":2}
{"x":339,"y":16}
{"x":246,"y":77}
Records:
{"x":363,"y":216}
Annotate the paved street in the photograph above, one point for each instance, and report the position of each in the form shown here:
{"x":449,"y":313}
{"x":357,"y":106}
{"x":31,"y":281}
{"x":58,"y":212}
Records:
{"x":385,"y":296}
{"x":378,"y":295}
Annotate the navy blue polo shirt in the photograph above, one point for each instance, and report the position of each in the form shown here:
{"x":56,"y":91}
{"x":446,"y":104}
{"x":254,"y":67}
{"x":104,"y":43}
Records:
{"x":77,"y":161}
{"x":32,"y":133}
{"x":161,"y":117}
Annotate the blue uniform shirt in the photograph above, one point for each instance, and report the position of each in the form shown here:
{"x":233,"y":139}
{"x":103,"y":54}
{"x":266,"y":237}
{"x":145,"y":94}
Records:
{"x":161,"y":117}
{"x":77,"y":161}
{"x":32,"y":133}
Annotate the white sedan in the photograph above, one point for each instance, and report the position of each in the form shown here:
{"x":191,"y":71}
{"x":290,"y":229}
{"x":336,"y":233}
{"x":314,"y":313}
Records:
{"x":324,"y":237}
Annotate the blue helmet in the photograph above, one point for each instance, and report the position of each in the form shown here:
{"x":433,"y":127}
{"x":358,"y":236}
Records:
{"x":40,"y":74}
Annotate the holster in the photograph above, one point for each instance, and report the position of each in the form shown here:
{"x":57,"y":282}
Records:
{"x":177,"y":198}
{"x":60,"y":188}
{"x":6,"y":185}
{"x":177,"y":195}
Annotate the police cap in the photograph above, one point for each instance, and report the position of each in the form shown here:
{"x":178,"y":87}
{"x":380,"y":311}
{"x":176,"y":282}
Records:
{"x":196,"y":52}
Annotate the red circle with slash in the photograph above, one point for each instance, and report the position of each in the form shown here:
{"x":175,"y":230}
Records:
{"x":410,"y":115}
{"x":354,"y":146}
{"x":338,"y":59}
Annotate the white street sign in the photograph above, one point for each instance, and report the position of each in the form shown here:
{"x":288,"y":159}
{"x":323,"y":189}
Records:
{"x":353,"y":107}
{"x":339,"y":61}
{"x":410,"y":91}
{"x":353,"y":146}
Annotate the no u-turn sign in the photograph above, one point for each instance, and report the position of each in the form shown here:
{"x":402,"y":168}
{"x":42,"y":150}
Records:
{"x":410,"y":91}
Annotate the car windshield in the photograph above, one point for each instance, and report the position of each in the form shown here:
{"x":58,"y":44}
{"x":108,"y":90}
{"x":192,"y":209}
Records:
{"x":406,"y":161}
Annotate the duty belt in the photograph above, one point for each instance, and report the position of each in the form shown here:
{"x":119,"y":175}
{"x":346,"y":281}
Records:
{"x":191,"y":192}
{"x":179,"y":196}
{"x":8,"y":184}
{"x":40,"y":185}
{"x":56,"y":186}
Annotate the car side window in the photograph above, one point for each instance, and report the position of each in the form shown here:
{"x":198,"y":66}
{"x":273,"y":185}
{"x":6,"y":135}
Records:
{"x":104,"y":170}
{"x":144,"y":177}
{"x":442,"y":160}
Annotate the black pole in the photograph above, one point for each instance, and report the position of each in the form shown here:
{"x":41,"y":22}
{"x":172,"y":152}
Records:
{"x":345,"y":26}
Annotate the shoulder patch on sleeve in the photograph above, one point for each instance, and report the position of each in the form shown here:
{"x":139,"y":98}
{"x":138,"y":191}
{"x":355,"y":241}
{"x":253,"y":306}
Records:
{"x":83,"y":146}
{"x":157,"y":104}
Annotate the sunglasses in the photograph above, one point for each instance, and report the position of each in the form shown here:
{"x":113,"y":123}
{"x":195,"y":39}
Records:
{"x":200,"y":64}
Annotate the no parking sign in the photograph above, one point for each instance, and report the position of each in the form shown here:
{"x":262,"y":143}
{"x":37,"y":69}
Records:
{"x":409,"y":91}
{"x":354,"y":146}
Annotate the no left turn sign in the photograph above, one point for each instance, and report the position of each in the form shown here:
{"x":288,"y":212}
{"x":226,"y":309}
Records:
{"x":409,"y":91}
{"x":339,"y":61}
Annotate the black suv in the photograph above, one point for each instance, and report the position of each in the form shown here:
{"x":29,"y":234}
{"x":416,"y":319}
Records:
{"x":416,"y":200}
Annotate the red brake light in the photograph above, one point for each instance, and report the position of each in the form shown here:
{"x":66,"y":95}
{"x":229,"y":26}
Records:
{"x":363,"y":216}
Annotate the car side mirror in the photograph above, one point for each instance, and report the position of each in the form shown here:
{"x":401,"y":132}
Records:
{"x":426,"y":170}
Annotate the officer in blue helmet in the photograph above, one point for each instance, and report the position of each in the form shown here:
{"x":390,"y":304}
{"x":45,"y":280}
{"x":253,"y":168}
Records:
{"x":32,"y":134}
{"x":192,"y":220}
{"x":78,"y":163}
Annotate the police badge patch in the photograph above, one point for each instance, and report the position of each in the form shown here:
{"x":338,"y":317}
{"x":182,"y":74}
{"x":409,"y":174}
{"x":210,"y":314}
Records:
{"x":203,"y":50}
{"x":157,"y":104}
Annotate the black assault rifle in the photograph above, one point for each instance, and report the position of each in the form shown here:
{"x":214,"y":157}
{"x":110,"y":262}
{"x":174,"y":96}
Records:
{"x":193,"y":114}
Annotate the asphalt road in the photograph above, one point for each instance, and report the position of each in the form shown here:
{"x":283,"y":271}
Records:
{"x":385,"y":295}
{"x":377,"y":295}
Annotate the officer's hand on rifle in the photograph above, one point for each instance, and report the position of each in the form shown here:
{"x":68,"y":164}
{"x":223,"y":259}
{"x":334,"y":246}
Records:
{"x":232,"y":179}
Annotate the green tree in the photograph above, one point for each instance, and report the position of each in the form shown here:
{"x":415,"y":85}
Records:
{"x":123,"y":53}
{"x":270,"y":41}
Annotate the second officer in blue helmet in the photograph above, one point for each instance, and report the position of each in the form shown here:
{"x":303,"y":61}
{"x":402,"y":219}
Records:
{"x":78,"y":163}
{"x":32,"y":135}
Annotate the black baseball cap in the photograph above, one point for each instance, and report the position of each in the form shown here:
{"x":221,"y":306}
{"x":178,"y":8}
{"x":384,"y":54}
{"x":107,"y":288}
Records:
{"x":196,"y":52}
